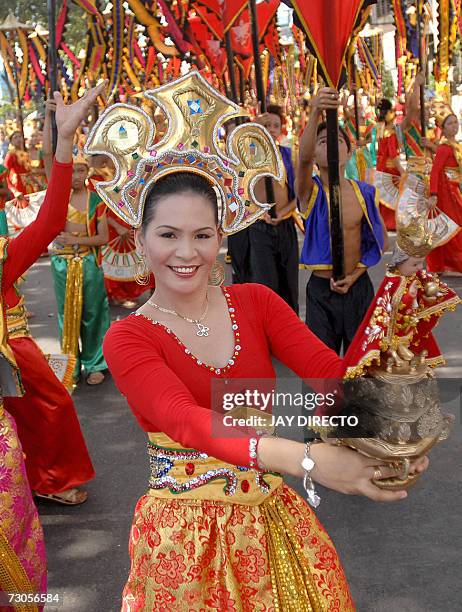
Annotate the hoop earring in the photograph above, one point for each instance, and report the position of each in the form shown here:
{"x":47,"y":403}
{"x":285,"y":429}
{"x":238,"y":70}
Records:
{"x":142,"y":273}
{"x":217,"y":274}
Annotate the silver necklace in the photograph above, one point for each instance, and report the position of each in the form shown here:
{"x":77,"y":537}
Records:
{"x":202,"y":330}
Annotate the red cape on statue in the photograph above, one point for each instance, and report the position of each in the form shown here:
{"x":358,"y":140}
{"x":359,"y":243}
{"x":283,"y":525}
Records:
{"x":393,"y":314}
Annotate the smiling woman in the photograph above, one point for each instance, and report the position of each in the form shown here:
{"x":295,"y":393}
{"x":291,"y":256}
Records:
{"x":218,"y":527}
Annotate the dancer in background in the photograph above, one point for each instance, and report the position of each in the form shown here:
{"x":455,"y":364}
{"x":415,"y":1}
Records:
{"x":83,"y":308}
{"x":22,"y":550}
{"x":335,"y":309}
{"x":445,"y":181}
{"x":273,"y":240}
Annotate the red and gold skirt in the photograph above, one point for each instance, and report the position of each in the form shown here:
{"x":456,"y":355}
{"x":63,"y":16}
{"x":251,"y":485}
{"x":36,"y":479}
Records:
{"x":212,"y":536}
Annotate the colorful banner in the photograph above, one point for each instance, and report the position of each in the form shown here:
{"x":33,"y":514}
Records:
{"x":329,"y":27}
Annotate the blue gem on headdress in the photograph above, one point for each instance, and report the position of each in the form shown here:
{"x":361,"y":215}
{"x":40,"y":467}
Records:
{"x":253,"y":148}
{"x":122,"y":132}
{"x":191,"y":159}
{"x":142,"y":181}
{"x":201,"y":165}
{"x":195,"y":107}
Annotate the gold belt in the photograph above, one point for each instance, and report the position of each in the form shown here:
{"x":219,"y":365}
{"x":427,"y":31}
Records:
{"x":453,"y":174}
{"x":16,"y":321}
{"x":180,"y":473}
{"x":70,"y":251}
{"x":419,"y":165}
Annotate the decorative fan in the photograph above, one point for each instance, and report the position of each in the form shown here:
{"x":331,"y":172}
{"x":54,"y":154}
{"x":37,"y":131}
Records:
{"x":21,"y":212}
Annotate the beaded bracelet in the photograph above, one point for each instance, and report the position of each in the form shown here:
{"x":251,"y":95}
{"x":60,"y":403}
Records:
{"x":308,"y":464}
{"x":253,"y":443}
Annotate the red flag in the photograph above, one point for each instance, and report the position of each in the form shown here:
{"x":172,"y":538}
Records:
{"x":329,"y":26}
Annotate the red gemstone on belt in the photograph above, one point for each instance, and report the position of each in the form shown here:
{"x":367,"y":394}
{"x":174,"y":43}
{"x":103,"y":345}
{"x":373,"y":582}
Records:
{"x":189,"y":469}
{"x":245,"y":486}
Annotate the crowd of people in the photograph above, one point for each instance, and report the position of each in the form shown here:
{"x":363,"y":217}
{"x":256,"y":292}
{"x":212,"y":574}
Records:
{"x":102,"y":255}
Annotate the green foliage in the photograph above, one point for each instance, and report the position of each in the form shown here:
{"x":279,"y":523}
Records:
{"x":388,"y":88}
{"x":35,"y":12}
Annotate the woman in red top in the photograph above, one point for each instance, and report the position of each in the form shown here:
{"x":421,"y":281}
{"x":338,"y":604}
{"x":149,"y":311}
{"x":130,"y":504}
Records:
{"x":387,"y":153}
{"x":218,"y":528}
{"x":22,"y":550}
{"x":445,"y":181}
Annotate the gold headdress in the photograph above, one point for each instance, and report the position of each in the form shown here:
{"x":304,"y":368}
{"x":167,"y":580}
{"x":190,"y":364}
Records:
{"x":78,"y":157}
{"x":194,"y":111}
{"x":441,"y":111}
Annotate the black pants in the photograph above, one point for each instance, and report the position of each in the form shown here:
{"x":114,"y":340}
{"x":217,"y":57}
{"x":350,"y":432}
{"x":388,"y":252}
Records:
{"x":335,"y":317}
{"x":239,"y":251}
{"x":274,"y":258}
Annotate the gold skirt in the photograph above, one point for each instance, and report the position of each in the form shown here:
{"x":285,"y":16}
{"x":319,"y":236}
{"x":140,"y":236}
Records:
{"x":192,"y":554}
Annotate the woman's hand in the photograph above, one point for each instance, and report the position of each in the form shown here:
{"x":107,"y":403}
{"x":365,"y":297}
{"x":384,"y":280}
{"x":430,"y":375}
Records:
{"x":70,"y":116}
{"x":336,"y":467}
{"x":347,"y":471}
{"x":67,"y":239}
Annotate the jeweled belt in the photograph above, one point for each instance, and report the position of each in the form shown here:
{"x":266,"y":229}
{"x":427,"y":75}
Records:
{"x":70,"y":251}
{"x":178,"y":472}
{"x":16,"y":321}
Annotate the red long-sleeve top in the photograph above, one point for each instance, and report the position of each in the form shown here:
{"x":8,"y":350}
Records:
{"x":169,"y":391}
{"x":24,"y":250}
{"x":444,"y":158}
{"x":387,"y":152}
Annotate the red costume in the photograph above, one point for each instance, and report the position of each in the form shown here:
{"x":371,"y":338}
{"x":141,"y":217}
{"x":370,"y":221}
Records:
{"x":445,"y":183}
{"x":56,"y":455}
{"x":395,"y":314}
{"x":119,"y":262}
{"x":119,"y":257}
{"x":147,"y":360}
{"x":387,"y":152}
{"x":21,"y":179}
{"x":214,"y":528}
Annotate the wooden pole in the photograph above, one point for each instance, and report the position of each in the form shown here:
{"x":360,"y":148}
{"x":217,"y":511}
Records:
{"x":52,"y":64}
{"x":423,"y":123}
{"x":18,"y":102}
{"x":355,"y":100}
{"x":335,"y":201}
{"x":230,"y":61}
{"x":261,"y":95}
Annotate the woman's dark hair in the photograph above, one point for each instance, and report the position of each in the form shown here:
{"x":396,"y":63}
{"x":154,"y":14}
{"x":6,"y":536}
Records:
{"x":274,"y":109}
{"x":323,"y":126}
{"x":451,"y":115}
{"x":14,"y":134}
{"x":383,"y":107}
{"x":176,"y":183}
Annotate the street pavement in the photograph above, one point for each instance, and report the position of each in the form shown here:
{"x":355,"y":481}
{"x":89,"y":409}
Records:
{"x":404,"y":557}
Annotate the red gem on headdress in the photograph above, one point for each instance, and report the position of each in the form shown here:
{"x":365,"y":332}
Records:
{"x":133,"y":193}
{"x":228,"y":182}
{"x":245,"y":486}
{"x":189,"y":469}
{"x":148,"y":168}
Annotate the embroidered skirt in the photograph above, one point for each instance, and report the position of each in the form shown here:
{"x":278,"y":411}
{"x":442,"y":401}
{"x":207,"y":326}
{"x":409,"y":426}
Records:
{"x":192,"y":553}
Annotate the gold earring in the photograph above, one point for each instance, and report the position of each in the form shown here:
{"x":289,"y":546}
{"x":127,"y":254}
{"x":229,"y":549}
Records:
{"x":142,"y":273}
{"x":217,"y":274}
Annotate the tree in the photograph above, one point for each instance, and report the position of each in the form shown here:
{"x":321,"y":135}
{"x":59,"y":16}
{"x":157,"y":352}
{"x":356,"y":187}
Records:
{"x":35,"y":12}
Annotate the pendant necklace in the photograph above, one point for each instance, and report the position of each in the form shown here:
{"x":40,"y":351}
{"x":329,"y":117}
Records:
{"x":202,"y":330}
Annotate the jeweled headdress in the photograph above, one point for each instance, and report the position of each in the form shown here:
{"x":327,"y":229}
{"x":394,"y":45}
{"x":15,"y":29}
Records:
{"x":441,"y":111}
{"x":194,"y":111}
